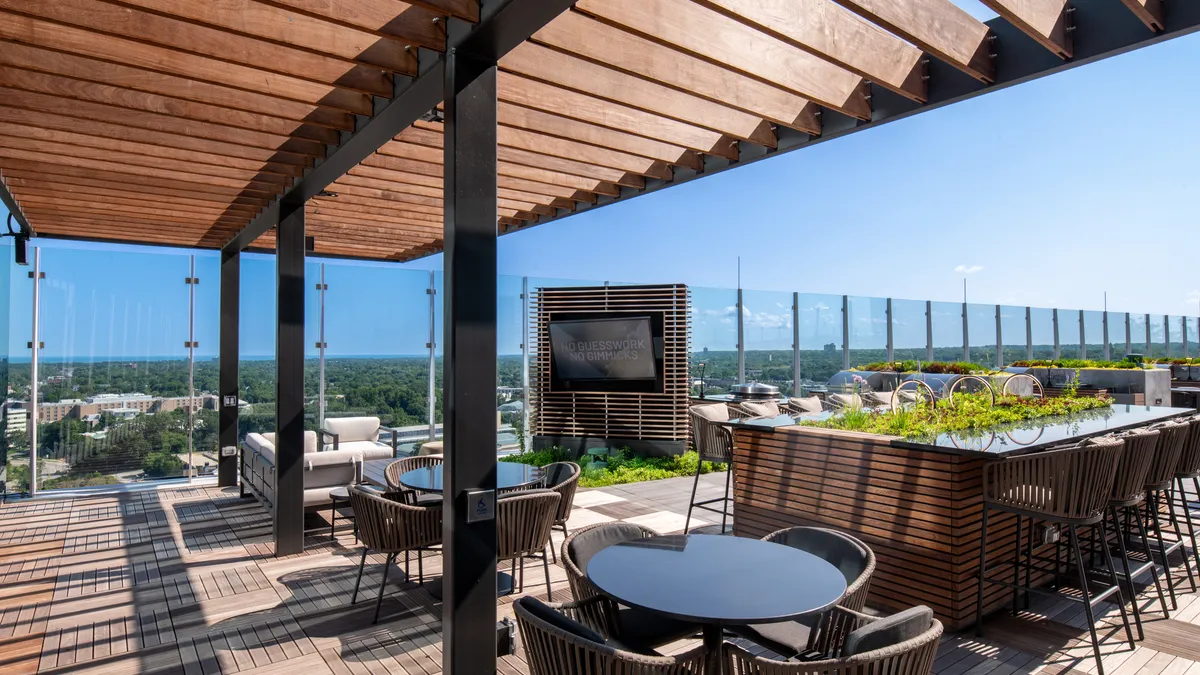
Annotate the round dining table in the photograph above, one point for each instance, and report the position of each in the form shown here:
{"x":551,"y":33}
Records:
{"x":509,"y":476}
{"x":716,"y":581}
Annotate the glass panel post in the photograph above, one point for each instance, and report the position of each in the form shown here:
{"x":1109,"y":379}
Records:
{"x":1057,"y":348}
{"x":432,"y":292}
{"x":891,"y":347}
{"x":845,"y":332}
{"x":191,"y":345}
{"x":1107,"y":346}
{"x":321,"y":345}
{"x":741,"y":338}
{"x":1029,"y":333}
{"x":796,"y":344}
{"x":1148,"y":334}
{"x":1082,"y":337}
{"x":999,"y":341}
{"x":928,"y":330}
{"x":1167,"y":334}
{"x":1128,"y":335}
{"x":525,"y":364}
{"x":34,"y":346}
{"x":966,"y":350}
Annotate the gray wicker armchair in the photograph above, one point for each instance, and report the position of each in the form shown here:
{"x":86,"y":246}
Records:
{"x":633,"y":627}
{"x":556,"y":644}
{"x":392,"y":527}
{"x":563,"y":478}
{"x":843,"y":645}
{"x":402,"y":466}
{"x":523,"y":522}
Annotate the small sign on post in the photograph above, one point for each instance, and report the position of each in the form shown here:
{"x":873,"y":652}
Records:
{"x":229,"y":451}
{"x":481,"y":505}
{"x":229,"y":401}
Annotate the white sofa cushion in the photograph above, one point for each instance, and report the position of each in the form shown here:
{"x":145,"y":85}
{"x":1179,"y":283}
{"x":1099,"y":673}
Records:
{"x":350,"y":429}
{"x":362,"y":447}
{"x":258,"y":442}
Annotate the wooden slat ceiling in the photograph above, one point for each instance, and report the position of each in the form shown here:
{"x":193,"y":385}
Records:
{"x":175,"y":122}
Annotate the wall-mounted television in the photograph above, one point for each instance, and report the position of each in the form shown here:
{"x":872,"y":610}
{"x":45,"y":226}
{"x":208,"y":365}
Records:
{"x":606,"y":352}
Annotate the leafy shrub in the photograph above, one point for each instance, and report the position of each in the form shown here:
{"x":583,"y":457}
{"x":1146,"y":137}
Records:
{"x":623,"y":466}
{"x":159,"y":464}
{"x":1123,"y":364}
{"x":932,"y":367}
{"x":969,"y":412}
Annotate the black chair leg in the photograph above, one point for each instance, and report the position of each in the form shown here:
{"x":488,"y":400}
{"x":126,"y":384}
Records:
{"x":1186,"y":515}
{"x":1174,"y":518}
{"x":695,"y":484}
{"x":361,"y":563}
{"x":1145,"y":540}
{"x":1028,"y":562}
{"x":546,"y":567}
{"x":420,"y":567}
{"x":1152,"y":513}
{"x":382,"y":586}
{"x":725,"y":504}
{"x":1087,"y":598}
{"x":1137,"y":611}
{"x":1016,"y":591}
{"x":982,"y":568}
{"x":1112,"y":572}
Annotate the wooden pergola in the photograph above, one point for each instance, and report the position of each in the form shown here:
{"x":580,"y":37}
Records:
{"x":166,"y":122}
{"x":385,"y":129}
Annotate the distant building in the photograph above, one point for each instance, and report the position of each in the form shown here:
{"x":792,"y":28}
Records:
{"x":124,"y":413}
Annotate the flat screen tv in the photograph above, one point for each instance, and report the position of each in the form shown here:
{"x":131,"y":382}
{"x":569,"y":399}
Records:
{"x":609,"y":352}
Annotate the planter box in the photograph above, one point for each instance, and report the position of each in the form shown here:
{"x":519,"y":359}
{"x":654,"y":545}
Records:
{"x":1134,"y":387}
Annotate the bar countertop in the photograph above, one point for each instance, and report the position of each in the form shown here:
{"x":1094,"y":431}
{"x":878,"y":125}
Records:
{"x":1011,"y":439}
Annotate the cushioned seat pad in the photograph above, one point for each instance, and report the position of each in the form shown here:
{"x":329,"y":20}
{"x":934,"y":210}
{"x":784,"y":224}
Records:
{"x":642,"y":631}
{"x":785,"y":638}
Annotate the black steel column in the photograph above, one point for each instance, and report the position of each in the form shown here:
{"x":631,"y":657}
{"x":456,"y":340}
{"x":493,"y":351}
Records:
{"x":289,"y":381}
{"x":227,"y":403}
{"x":469,"y":415}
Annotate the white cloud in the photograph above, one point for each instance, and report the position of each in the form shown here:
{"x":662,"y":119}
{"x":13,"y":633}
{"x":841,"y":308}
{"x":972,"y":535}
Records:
{"x":1192,"y":296}
{"x":971,"y":269}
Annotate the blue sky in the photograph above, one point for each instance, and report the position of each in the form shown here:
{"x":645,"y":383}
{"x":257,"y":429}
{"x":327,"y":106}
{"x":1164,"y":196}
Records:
{"x":1046,"y":194}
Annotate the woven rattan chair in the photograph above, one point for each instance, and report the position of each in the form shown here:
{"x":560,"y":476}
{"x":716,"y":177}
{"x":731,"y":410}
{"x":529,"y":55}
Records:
{"x":1068,"y":488}
{"x":563,"y":478}
{"x":560,"y":645}
{"x":714,"y":443}
{"x":1188,"y":469}
{"x":760,"y":408}
{"x":632,"y":627}
{"x":854,"y":560}
{"x":1172,"y":440}
{"x":391,"y":527}
{"x":836,"y":650}
{"x":805,"y":406}
{"x":523,"y":522}
{"x":1124,"y":507}
{"x":400,"y":467}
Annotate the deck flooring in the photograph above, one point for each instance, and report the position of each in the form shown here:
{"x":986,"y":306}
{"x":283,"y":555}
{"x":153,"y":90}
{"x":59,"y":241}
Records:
{"x":183,"y":580}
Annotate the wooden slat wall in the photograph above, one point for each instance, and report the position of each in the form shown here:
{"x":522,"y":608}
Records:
{"x":660,"y":417}
{"x":920,"y":512}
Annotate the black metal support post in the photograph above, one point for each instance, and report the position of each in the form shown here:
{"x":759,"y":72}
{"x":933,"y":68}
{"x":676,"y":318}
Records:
{"x":470,"y":546}
{"x":289,"y":381}
{"x":231,"y":281}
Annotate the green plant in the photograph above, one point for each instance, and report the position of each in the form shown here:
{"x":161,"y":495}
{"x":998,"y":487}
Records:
{"x":968,"y":412}
{"x":158,"y":464}
{"x":1124,"y":364}
{"x":1072,"y":388}
{"x":932,"y":367}
{"x":623,"y":466}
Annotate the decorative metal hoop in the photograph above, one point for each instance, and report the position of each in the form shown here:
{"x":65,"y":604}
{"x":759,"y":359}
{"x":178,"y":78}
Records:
{"x":964,"y":378}
{"x":1035,"y":438}
{"x":989,"y":443}
{"x":1041,"y":393}
{"x":919,"y":383}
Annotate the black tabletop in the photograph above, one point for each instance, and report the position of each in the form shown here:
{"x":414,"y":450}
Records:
{"x":509,"y":475}
{"x":713,"y":579}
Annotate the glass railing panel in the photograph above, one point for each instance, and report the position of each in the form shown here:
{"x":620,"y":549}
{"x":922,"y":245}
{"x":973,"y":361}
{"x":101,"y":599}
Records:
{"x":868,"y":330}
{"x":1190,"y":328}
{"x":1041,"y":322}
{"x":1093,"y":332}
{"x":206,"y":421}
{"x":312,"y":335}
{"x":256,"y":345}
{"x":981,"y":326}
{"x":1116,"y":335}
{"x":820,"y":337}
{"x":1012,"y":334}
{"x":768,"y":334}
{"x":377,"y":361}
{"x":1175,"y":336}
{"x":511,"y":322}
{"x":947,"y":331}
{"x":113,"y":375}
{"x":1139,"y":341}
{"x":12,"y":414}
{"x":1158,"y":334}
{"x":1069,"y":325}
{"x":909,"y":330}
{"x":714,"y":338}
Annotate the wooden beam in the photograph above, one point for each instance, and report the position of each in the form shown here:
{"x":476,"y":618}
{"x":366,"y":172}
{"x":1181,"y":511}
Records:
{"x":555,"y":67}
{"x":55,"y":185}
{"x":937,"y":26}
{"x":685,"y":25}
{"x":415,"y":25}
{"x":1046,"y":21}
{"x":132,"y":52}
{"x":265,"y":21}
{"x":126,"y":199}
{"x":425,"y":153}
{"x":586,"y":37}
{"x":1149,"y":11}
{"x":173,"y":86}
{"x":556,"y":100}
{"x":832,"y":32}
{"x":46,"y":120}
{"x":156,"y":122}
{"x":120,"y":211}
{"x":38,"y":168}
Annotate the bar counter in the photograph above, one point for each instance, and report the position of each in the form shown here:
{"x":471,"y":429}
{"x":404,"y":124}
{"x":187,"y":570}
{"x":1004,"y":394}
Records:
{"x":916,"y":502}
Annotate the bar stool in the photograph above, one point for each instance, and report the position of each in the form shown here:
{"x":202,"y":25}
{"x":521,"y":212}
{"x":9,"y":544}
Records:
{"x":1158,"y":485}
{"x":714,"y":443}
{"x":1129,"y":493}
{"x":1067,"y":488}
{"x":1189,"y":468}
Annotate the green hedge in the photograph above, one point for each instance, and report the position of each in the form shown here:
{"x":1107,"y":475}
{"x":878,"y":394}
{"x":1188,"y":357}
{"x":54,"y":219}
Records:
{"x":623,"y":466}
